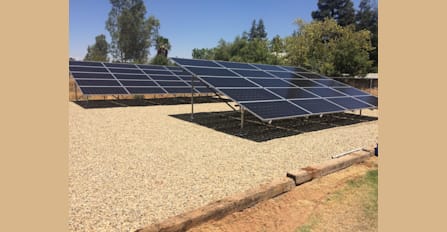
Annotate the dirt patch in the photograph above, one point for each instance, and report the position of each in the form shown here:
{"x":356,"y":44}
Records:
{"x":325,"y":204}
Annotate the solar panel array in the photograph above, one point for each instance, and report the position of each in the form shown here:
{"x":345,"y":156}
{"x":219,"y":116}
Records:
{"x":97,"y":78}
{"x":273,"y":92}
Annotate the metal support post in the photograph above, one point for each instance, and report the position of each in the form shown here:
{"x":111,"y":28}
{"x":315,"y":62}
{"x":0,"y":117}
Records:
{"x":360,"y":113}
{"x":192,"y":97}
{"x":76,"y":92}
{"x":242,"y":117}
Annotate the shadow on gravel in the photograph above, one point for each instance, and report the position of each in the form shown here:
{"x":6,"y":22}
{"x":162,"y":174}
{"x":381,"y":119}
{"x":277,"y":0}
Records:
{"x":146,"y":102}
{"x":229,"y":122}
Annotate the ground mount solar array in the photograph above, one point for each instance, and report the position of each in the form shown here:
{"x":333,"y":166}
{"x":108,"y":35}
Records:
{"x":98,"y":78}
{"x":272,"y":92}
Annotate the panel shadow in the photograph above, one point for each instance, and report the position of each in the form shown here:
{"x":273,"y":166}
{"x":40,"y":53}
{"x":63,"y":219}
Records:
{"x":93,"y":104}
{"x":229,"y":122}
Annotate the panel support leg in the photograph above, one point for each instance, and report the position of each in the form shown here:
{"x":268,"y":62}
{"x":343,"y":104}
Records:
{"x":76,"y":92}
{"x":242,"y":117}
{"x":192,"y":97}
{"x":360,"y":113}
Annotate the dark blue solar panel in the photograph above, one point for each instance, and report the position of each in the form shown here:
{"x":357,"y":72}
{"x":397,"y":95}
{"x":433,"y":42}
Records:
{"x":138,"y":83}
{"x":304,"y":83}
{"x":196,"y":83}
{"x":164,"y":78}
{"x":156,"y":72}
{"x":92,"y":75}
{"x":145,"y":66}
{"x":228,"y":82}
{"x":318,"y":106}
{"x":190,"y":62}
{"x":312,"y":75}
{"x":252,"y":73}
{"x":274,"y":110}
{"x":369,"y":99}
{"x":204,"y":90}
{"x":98,"y":83}
{"x":249,"y":94}
{"x":132,"y":76}
{"x":178,"y":90}
{"x":330,"y":83}
{"x":125,"y":70}
{"x":87,"y":69}
{"x":211,"y":71}
{"x":145,"y":90}
{"x":268,"y":67}
{"x":85,"y":63}
{"x":172,"y":83}
{"x":286,"y":75}
{"x":117,"y":65}
{"x":349,"y":103}
{"x":276,"y":85}
{"x":108,"y":81}
{"x":102,"y":90}
{"x":290,"y":93}
{"x":267,"y":82}
{"x":235,"y":65}
{"x":324,"y":92}
{"x":351,"y":91}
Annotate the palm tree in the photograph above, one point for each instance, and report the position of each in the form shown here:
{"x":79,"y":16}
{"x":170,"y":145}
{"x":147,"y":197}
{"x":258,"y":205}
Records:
{"x":162,"y":45}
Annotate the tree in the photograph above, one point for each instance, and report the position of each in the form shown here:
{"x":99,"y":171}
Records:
{"x":328,"y":48}
{"x":260,"y":30}
{"x":253,"y":31}
{"x":366,"y":19}
{"x":277,"y":49}
{"x":99,"y":50}
{"x":204,"y":53}
{"x":340,"y":10}
{"x":131,"y":33}
{"x":249,"y":47}
{"x":257,"y":30}
{"x":160,"y":60}
{"x":163,"y":46}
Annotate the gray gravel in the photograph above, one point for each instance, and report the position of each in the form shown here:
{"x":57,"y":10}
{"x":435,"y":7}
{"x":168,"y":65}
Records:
{"x":132,"y":166}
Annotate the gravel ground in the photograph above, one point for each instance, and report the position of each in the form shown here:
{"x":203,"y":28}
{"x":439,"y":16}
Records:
{"x":132,"y":166}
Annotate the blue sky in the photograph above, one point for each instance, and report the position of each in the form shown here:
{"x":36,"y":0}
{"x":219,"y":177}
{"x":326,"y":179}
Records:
{"x":191,"y":24}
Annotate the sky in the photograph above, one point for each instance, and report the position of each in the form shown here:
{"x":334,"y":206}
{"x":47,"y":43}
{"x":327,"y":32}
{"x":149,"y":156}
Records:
{"x":191,"y":24}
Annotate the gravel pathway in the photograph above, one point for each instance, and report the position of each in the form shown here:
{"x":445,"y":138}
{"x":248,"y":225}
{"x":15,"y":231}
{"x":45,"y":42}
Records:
{"x":132,"y":166}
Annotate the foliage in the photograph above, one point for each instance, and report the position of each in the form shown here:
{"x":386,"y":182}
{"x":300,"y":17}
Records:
{"x":132,"y":34}
{"x":257,"y":30}
{"x":252,"y":47}
{"x":328,"y":48}
{"x":162,"y":45}
{"x":367,"y":19}
{"x":160,"y":60}
{"x":203,"y":53}
{"x":99,"y":50}
{"x":340,"y":10}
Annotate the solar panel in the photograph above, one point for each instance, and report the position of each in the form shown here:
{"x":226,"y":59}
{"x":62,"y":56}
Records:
{"x":98,"y":78}
{"x":273,"y":92}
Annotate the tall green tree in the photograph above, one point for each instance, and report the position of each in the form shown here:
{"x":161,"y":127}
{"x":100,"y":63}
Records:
{"x":131,"y":33}
{"x":340,"y":10}
{"x":99,"y":50}
{"x":253,"y":30}
{"x":328,"y":48}
{"x":367,"y":19}
{"x":261,"y":33}
{"x":257,"y":30}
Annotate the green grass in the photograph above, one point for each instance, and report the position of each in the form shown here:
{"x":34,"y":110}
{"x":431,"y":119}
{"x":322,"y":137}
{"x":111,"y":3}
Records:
{"x":364,"y":188}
